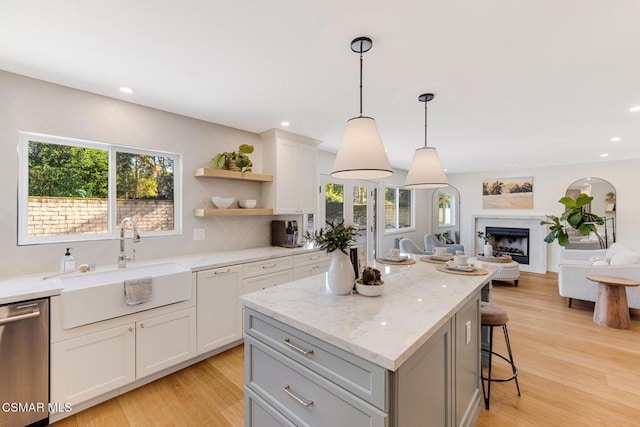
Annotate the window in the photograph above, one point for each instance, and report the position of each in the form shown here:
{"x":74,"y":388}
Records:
{"x":74,"y":190}
{"x":398,"y":212}
{"x":446,"y":209}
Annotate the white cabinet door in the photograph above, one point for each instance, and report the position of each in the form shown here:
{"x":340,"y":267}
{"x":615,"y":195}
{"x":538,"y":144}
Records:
{"x":320,"y":267}
{"x":219,"y":311}
{"x":307,"y":179}
{"x":164,"y":341}
{"x":287,"y":178}
{"x":88,"y":366}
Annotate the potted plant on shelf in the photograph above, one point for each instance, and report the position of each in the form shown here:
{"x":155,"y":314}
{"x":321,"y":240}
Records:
{"x":576,"y":217}
{"x":234,"y":160}
{"x":488,"y":249}
{"x":371,"y":283}
{"x":336,"y":239}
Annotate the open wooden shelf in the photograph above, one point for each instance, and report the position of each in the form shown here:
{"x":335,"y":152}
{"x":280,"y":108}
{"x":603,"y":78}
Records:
{"x":232,"y":212}
{"x":227,"y":174}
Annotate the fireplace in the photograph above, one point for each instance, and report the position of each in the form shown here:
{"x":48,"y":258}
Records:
{"x":510,"y":241}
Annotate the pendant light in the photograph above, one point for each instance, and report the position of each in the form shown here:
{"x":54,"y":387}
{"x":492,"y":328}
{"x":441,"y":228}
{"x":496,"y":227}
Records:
{"x":426,"y":170}
{"x":361,"y":154}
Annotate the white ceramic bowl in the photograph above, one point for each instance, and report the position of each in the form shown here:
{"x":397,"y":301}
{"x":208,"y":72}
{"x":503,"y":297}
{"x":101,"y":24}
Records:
{"x":369,"y":290}
{"x":247,"y":203}
{"x":222,"y":202}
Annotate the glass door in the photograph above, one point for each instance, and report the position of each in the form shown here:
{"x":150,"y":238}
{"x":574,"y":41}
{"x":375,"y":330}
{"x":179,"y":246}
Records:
{"x":355,"y":202}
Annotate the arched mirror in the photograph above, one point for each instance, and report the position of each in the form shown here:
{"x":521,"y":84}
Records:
{"x":603,"y":204}
{"x":446,"y":214}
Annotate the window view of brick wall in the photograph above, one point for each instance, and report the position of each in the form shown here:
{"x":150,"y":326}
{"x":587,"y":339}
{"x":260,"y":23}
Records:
{"x":54,"y":216}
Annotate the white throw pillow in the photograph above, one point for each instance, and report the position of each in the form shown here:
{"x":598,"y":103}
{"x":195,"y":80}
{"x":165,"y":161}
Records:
{"x":598,"y":260}
{"x":625,"y":257}
{"x":613,"y":249}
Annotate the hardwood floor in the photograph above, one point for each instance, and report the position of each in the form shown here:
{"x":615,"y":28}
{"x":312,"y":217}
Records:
{"x":572,"y":372}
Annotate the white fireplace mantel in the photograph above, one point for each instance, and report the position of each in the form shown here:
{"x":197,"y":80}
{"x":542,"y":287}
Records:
{"x":537,"y":232}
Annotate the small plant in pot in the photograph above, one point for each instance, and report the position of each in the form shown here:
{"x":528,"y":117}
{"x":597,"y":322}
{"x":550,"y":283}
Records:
{"x":234,"y":160}
{"x":371,"y":283}
{"x":488,"y":249}
{"x":336,"y":239}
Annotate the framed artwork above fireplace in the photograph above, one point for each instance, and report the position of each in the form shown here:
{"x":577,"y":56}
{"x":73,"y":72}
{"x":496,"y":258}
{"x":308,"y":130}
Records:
{"x":507,"y":193}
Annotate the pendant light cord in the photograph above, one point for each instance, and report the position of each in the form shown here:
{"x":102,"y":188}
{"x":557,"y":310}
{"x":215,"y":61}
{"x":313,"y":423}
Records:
{"x":425,"y":124}
{"x":361,"y":79}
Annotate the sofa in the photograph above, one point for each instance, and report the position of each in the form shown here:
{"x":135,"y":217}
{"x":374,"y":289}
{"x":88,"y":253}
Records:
{"x":619,"y":260}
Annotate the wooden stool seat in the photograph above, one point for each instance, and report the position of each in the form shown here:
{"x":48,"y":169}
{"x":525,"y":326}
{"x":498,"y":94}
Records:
{"x":611,"y":308}
{"x":492,"y":315}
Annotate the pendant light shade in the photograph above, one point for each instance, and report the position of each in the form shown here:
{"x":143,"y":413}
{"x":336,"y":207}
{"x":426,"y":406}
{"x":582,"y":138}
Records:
{"x":426,"y":169}
{"x":361,"y":154}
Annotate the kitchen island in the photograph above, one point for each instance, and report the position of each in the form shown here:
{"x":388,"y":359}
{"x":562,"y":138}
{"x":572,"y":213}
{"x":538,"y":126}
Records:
{"x":410,"y":357}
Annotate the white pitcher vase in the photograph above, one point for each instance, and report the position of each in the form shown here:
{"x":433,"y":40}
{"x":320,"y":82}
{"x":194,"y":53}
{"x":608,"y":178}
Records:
{"x":340,"y":277}
{"x":488,"y":250}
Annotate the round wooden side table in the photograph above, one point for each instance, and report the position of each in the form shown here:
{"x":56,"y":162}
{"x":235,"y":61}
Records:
{"x":611,"y":303}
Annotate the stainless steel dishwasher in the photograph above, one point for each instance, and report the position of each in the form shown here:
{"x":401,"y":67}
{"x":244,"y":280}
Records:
{"x":24,"y":363}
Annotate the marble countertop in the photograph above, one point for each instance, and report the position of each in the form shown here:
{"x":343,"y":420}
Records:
{"x":33,"y":286}
{"x":384,"y":330}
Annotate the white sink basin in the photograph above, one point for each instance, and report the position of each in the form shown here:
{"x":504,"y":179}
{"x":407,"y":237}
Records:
{"x":95,"y":296}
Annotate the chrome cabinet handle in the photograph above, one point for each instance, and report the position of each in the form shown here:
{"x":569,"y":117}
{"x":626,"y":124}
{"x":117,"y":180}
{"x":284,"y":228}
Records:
{"x":269,"y":266}
{"x":287,"y":341}
{"x":225,"y":271}
{"x":301,"y":401}
{"x":19,"y":317}
{"x":314,"y":257}
{"x":142,"y":325}
{"x":130,"y":328}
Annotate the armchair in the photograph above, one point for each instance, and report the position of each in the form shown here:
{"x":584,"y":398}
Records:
{"x":408,"y":246}
{"x":430,"y":243}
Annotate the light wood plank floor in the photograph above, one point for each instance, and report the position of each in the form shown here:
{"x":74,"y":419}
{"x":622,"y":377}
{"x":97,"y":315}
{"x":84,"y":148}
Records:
{"x":573,"y":372}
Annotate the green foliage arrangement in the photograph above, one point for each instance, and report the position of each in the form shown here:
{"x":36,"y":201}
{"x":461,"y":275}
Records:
{"x":240,"y":157}
{"x":484,"y":237}
{"x":575,"y":216}
{"x":444,"y":237}
{"x":336,"y":236}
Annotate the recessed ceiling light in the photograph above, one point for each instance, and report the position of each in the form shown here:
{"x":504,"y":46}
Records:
{"x":284,"y":123}
{"x":616,"y":139}
{"x":444,"y":170}
{"x":126,"y":90}
{"x":604,"y":155}
{"x":635,"y":109}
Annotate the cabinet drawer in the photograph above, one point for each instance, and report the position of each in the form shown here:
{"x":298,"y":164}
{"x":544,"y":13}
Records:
{"x":312,"y":258}
{"x":266,"y":281}
{"x":307,"y":397}
{"x":259,"y":268}
{"x":358,"y":376}
{"x":258,"y":413}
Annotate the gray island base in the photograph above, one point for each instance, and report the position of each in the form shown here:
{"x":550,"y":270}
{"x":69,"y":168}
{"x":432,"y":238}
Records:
{"x":410,"y":357}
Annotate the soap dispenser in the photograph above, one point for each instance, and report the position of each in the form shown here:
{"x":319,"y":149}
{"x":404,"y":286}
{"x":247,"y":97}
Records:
{"x":68,"y":262}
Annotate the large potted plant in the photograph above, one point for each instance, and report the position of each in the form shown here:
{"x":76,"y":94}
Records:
{"x":335,"y":239}
{"x":576,"y":217}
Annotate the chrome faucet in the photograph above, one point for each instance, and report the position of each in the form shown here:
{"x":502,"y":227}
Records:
{"x":122,"y":257}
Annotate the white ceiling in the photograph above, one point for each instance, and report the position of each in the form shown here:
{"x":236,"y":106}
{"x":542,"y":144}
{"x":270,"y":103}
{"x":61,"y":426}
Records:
{"x":518,"y":83}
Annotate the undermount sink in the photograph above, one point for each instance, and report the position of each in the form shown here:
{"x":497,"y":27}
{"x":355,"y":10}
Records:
{"x":95,"y":296}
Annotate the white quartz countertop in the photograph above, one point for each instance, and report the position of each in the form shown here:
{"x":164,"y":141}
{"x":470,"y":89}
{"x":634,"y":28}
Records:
{"x":384,"y":330}
{"x":22,"y":288}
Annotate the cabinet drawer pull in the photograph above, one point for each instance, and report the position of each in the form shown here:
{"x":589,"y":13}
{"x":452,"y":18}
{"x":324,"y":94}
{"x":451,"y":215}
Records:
{"x":314,"y":257}
{"x":225,"y":271}
{"x":287,"y":341}
{"x":301,"y":401}
{"x":269,"y":266}
{"x":130,"y":328}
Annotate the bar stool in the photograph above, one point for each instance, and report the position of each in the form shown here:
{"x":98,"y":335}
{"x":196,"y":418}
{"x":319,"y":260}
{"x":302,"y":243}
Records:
{"x":492,"y":316}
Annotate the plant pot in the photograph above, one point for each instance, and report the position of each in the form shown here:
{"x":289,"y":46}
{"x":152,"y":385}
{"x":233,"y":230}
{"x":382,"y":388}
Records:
{"x":340,"y":276}
{"x":488,"y":250}
{"x":231,"y":165}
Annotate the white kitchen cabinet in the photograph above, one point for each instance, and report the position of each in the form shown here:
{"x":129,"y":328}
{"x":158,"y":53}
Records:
{"x":102,"y":361}
{"x":219,"y":318}
{"x":310,"y":264}
{"x":164,"y":341}
{"x":266,"y":281}
{"x":85,"y":367}
{"x":291,"y":159}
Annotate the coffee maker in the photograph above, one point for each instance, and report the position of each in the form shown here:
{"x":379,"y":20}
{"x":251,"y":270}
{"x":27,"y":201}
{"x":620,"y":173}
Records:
{"x":284,"y":233}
